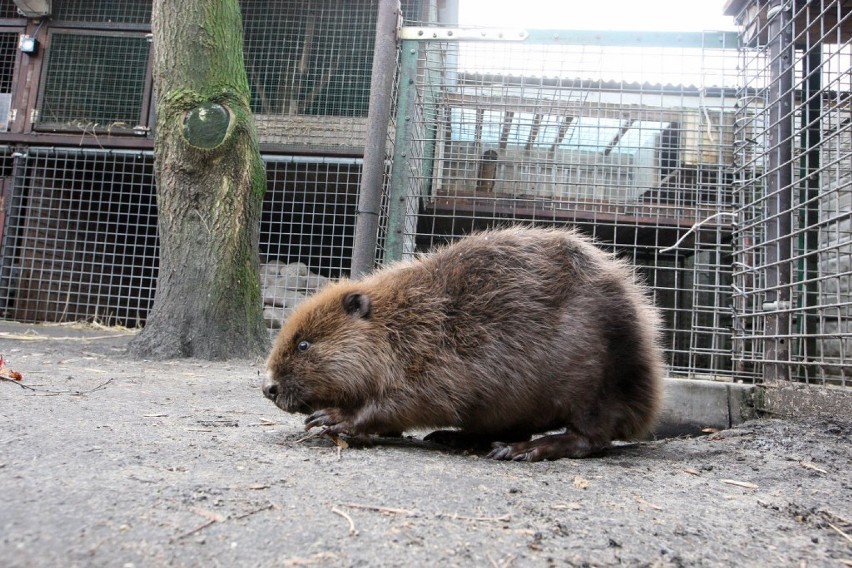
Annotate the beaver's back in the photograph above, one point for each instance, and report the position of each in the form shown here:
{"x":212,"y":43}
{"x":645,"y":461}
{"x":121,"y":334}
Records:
{"x":533,"y":320}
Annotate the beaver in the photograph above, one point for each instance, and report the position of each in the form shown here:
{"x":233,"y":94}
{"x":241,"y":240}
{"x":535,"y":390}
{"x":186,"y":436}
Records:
{"x":499,"y":336}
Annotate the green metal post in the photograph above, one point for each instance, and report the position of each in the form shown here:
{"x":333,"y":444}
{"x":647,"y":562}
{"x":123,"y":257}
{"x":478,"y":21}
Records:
{"x":401,"y":202}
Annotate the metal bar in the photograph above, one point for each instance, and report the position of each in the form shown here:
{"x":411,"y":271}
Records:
{"x":572,"y":108}
{"x":291,"y":159}
{"x":445,"y":33}
{"x":811,"y":138}
{"x":62,"y":151}
{"x":11,"y":229}
{"x":612,"y":38}
{"x":434,"y":75}
{"x":378,"y":116}
{"x":330,"y":160}
{"x":534,"y":131}
{"x":617,"y":138}
{"x":729,"y":40}
{"x":563,"y":130}
{"x":399,"y":201}
{"x":508,"y":116}
{"x":779,"y":196}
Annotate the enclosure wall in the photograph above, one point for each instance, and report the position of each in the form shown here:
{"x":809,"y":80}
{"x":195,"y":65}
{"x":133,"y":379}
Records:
{"x":627,"y":137}
{"x":793,"y":238}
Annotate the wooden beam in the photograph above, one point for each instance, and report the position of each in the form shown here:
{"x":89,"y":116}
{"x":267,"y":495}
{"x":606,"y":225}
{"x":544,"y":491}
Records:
{"x":560,"y":134}
{"x":507,"y":127}
{"x":536,"y":125}
{"x":571,"y":108}
{"x":621,"y":132}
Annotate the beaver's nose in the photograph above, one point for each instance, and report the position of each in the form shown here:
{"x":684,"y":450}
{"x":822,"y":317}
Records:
{"x":270,"y":390}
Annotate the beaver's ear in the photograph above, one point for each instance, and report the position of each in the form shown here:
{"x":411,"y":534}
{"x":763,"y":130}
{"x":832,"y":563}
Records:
{"x":357,"y":305}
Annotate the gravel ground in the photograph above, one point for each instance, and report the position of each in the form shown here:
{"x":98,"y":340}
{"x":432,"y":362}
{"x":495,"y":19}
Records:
{"x":106,"y":461}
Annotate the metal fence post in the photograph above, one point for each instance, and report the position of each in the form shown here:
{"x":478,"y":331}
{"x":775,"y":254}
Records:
{"x":777,"y":306}
{"x":378,"y":118}
{"x":400,"y":201}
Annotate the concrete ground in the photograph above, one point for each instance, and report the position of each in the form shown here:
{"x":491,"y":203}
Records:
{"x":106,"y":461}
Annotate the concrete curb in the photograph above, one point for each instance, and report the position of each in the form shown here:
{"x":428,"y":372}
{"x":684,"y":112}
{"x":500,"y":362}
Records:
{"x":691,"y":405}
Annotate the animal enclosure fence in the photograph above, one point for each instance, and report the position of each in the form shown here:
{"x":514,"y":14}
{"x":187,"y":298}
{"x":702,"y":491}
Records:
{"x":793,"y":238}
{"x":721,"y":168}
{"x":627,"y":137}
{"x":80,"y":240}
{"x":718,"y":163}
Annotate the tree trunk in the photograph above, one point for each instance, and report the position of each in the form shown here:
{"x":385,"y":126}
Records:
{"x":210,"y":184}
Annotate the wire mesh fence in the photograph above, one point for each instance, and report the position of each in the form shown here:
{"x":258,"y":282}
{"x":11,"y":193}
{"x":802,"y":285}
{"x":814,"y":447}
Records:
{"x":793,"y":264}
{"x":309,"y":66}
{"x":103,"y":11}
{"x":79,"y":242}
{"x":718,"y":163}
{"x":628,"y":138}
{"x":8,"y":52}
{"x":8,"y":10}
{"x":95,"y":82}
{"x":307,"y":228}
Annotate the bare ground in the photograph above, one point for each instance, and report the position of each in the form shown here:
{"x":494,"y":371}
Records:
{"x":105,"y":461}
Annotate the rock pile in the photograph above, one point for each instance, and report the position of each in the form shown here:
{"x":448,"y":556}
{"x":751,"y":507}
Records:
{"x":284,"y":286}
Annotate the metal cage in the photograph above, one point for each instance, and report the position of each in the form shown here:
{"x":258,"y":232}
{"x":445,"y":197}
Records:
{"x":627,"y":137}
{"x":793,"y":239}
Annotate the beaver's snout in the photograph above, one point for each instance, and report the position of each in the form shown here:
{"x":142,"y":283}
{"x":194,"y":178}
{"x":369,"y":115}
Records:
{"x":271,"y":390}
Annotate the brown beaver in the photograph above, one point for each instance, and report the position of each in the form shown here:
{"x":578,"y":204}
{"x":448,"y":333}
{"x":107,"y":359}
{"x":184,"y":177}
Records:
{"x":502,"y":335}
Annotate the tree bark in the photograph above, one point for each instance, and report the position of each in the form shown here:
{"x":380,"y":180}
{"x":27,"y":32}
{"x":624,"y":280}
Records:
{"x":210,"y":185}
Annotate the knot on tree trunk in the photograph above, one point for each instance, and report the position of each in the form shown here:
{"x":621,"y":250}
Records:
{"x":206,"y":126}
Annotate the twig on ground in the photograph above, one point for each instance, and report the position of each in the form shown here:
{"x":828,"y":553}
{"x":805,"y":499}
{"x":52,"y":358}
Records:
{"x":378,"y":509}
{"x":409,"y":512}
{"x":196,"y":529}
{"x":743,"y":484}
{"x":503,"y":563}
{"x":214,"y":518}
{"x":19,"y":383}
{"x":97,"y":388}
{"x":352,"y":530}
{"x":840,"y":532}
{"x":258,"y":510}
{"x":642,"y":502}
{"x":46,"y":392}
{"x":456,"y":516}
{"x":310,"y":435}
{"x":20,"y":337}
{"x":809,"y":465}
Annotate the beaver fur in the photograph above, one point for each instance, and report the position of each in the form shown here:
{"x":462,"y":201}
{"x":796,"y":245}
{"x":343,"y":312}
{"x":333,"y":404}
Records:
{"x":500,"y":336}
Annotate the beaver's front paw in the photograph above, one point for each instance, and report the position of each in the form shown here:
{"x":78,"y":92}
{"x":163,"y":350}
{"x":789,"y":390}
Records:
{"x":332,"y":418}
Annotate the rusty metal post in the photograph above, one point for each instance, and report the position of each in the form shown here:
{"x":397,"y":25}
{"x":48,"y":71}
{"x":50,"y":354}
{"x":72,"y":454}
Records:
{"x":779,"y":190}
{"x":378,"y":119}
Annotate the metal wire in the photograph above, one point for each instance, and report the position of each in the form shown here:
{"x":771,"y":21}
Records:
{"x":103,"y":11}
{"x":94,"y":81}
{"x":631,"y":144}
{"x":80,"y":241}
{"x":719,"y":166}
{"x":793,"y":262}
{"x":8,"y":9}
{"x":8,"y":52}
{"x":309,"y":66}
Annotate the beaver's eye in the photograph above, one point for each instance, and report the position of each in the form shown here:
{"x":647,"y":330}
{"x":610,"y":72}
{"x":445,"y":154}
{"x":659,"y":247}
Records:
{"x":303,"y":346}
